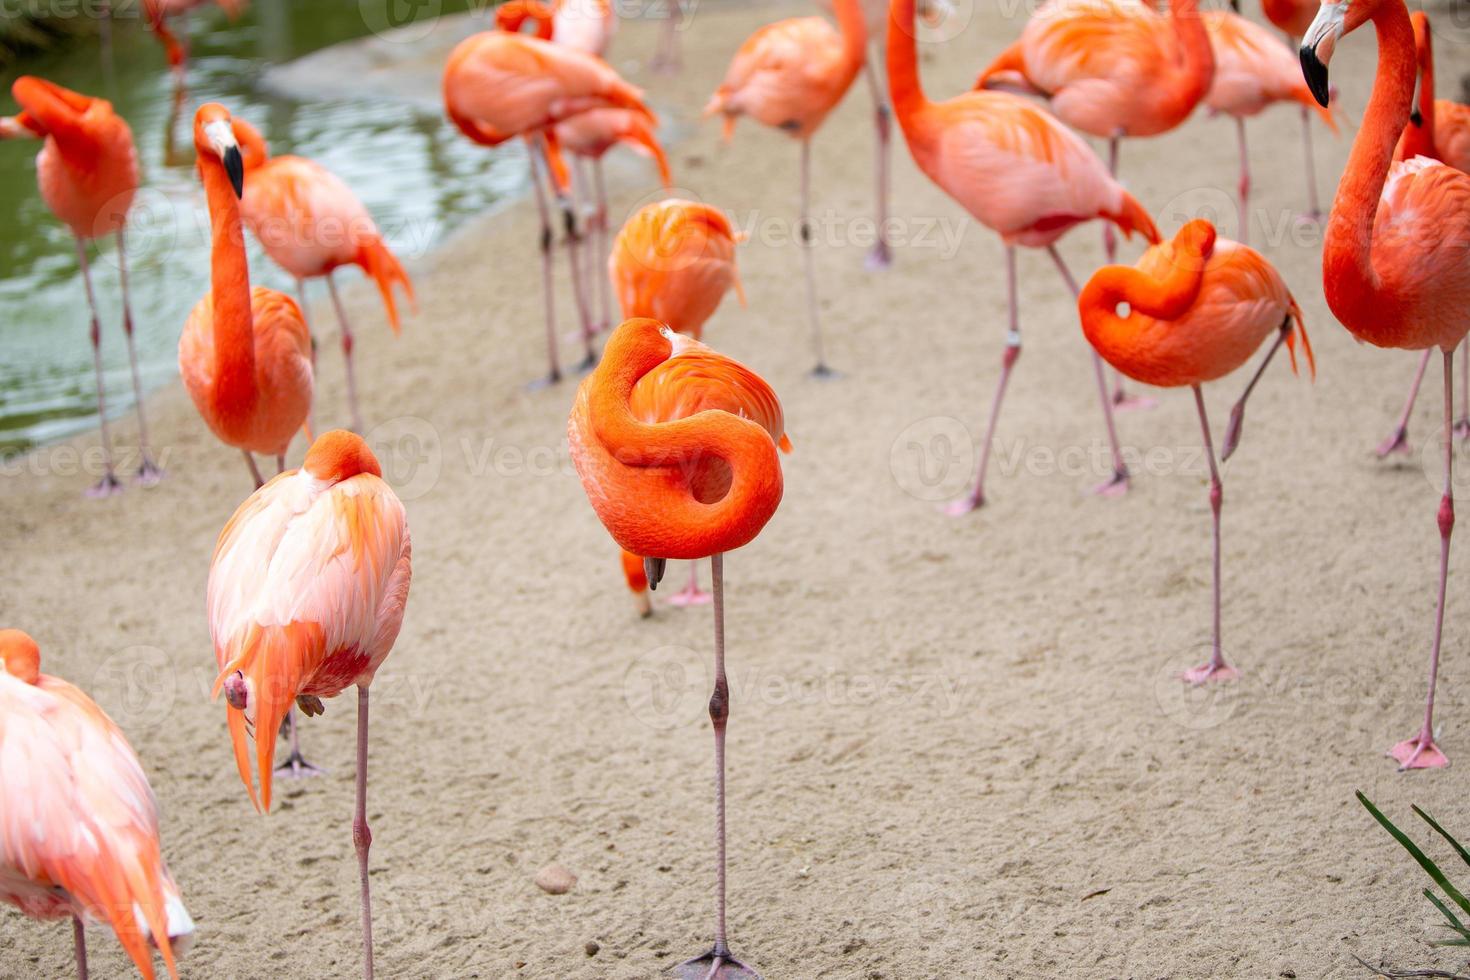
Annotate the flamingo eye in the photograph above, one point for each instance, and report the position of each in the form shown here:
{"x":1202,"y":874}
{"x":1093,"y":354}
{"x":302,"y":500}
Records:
{"x":1123,"y":310}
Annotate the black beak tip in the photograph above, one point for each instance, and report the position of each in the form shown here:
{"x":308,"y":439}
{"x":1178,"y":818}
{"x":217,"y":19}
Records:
{"x":1235,"y":6}
{"x":235,"y":167}
{"x":1316,"y":75}
{"x":1416,"y":119}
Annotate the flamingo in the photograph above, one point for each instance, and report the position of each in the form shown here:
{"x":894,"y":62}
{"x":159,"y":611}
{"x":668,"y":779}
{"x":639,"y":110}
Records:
{"x":674,"y":261}
{"x":1438,"y":129}
{"x":1020,"y":172}
{"x":676,"y":448}
{"x":1252,"y":70}
{"x":306,"y":596}
{"x":789,"y":75}
{"x":1111,"y":68}
{"x":158,"y":13}
{"x":1291,"y":18}
{"x":588,"y":136}
{"x":1395,"y":265}
{"x":78,"y":820}
{"x":310,"y":224}
{"x":87,"y":172}
{"x":498,"y":85}
{"x":583,"y":25}
{"x":1198,"y":307}
{"x":667,"y":59}
{"x":245,"y":354}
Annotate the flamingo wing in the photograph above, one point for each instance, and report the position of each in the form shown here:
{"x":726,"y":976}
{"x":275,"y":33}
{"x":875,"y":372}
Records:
{"x":307,"y":219}
{"x":306,"y":595}
{"x":698,"y":379}
{"x":784,"y":75}
{"x":1452,"y":133}
{"x":1430,"y":271}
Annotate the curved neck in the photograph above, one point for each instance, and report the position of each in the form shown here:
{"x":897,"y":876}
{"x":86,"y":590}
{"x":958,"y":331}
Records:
{"x":1166,"y":299}
{"x":231,"y":321}
{"x":904,"y":86}
{"x":683,"y":527}
{"x":1422,"y":136}
{"x":854,"y":29}
{"x":1348,"y":277}
{"x":1196,"y":67}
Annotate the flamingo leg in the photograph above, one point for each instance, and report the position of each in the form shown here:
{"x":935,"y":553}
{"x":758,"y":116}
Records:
{"x":881,"y":256}
{"x":254,"y":470}
{"x":109,"y":484}
{"x":1245,"y":182}
{"x":148,"y":471}
{"x":598,"y":264}
{"x":1314,"y":211}
{"x":79,"y":942}
{"x":347,"y":344}
{"x":1117,"y":484}
{"x":548,"y":288}
{"x":1398,"y":440}
{"x":1008,"y":358}
{"x":666,"y":58}
{"x":692,"y":594}
{"x":821,"y":370}
{"x":1217,"y":669}
{"x":574,"y":258}
{"x":362,"y":835}
{"x":295,"y":766}
{"x":718,"y":964}
{"x":1124,"y":401}
{"x":1420,"y":752}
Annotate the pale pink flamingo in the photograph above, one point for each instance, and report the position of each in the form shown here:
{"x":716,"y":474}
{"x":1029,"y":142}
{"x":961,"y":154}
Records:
{"x":306,"y":596}
{"x":789,"y":75}
{"x":78,"y":820}
{"x":1020,"y":172}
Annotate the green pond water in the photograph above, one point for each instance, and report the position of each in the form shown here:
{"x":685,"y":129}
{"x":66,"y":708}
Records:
{"x":415,"y":174}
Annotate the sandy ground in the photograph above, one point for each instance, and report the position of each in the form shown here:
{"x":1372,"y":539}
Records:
{"x":957,"y":746}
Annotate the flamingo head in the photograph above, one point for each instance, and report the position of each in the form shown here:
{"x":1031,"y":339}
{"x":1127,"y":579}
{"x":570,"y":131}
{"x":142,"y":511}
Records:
{"x":20,"y":657}
{"x":339,"y":455}
{"x":1333,"y":20}
{"x":214,"y":135}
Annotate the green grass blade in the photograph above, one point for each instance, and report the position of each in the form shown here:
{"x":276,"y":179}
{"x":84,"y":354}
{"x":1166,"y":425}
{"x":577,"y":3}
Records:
{"x":1454,"y":922}
{"x":1460,"y":850}
{"x":1430,"y":868}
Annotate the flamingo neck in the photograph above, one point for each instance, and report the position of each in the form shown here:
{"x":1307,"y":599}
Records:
{"x":1349,"y":281}
{"x":853,"y":26}
{"x":1420,"y":138}
{"x":231,"y":320}
{"x":1147,"y":297}
{"x":904,"y":86}
{"x":1196,"y":68}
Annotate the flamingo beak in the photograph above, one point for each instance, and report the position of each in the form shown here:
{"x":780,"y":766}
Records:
{"x":1317,"y":47}
{"x":221,"y":138}
{"x":653,"y":570}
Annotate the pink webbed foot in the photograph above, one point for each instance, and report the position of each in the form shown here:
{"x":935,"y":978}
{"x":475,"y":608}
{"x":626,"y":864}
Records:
{"x":296,"y":767}
{"x":690,"y":595}
{"x":1419,"y":752}
{"x":1397,"y":442}
{"x":1115,"y":486}
{"x":1462,"y":429}
{"x":150,"y":474}
{"x":714,"y":966}
{"x":1205,"y":673}
{"x":1124,"y":402}
{"x":880,"y":258}
{"x":108,"y":486}
{"x":965,"y":505}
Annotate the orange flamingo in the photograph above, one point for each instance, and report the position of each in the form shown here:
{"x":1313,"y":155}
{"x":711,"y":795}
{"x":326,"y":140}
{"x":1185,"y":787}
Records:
{"x":583,"y":25}
{"x":158,"y":13}
{"x":306,"y":596}
{"x":1198,"y":307}
{"x":1291,"y":18}
{"x":1252,"y":70}
{"x":674,"y":260}
{"x":245,"y":354}
{"x":310,"y":224}
{"x":789,"y":75}
{"x":676,"y":448}
{"x":1438,"y":129}
{"x":78,"y":820}
{"x":1111,"y":68}
{"x":87,"y":172}
{"x":1395,"y":265}
{"x":1019,"y":172}
{"x":588,"y":136}
{"x":499,"y":85}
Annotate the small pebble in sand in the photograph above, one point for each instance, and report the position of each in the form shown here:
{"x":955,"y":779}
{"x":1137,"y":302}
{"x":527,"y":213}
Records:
{"x":591,"y":948}
{"x":555,"y":879}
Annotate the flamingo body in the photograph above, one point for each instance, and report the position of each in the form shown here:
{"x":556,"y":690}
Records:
{"x":78,"y":820}
{"x":1253,"y":69}
{"x":592,"y":133}
{"x":674,"y":260}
